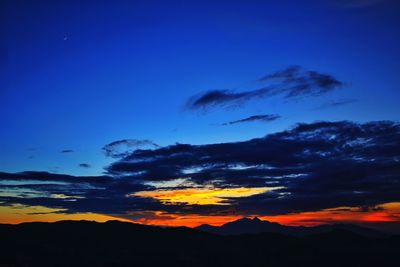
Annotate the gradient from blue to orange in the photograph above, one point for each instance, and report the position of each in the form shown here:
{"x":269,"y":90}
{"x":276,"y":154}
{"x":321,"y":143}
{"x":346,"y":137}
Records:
{"x":76,"y":75}
{"x":80,"y":74}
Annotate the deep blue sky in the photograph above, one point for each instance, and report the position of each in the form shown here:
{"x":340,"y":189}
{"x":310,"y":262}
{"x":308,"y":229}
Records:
{"x":81,"y":75}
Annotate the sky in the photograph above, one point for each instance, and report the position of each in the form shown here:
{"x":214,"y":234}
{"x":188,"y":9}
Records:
{"x":191,"y":112}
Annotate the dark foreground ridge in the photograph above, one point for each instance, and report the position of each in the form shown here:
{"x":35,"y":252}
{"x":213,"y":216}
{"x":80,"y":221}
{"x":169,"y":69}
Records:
{"x":257,"y":226}
{"x":84,"y":243}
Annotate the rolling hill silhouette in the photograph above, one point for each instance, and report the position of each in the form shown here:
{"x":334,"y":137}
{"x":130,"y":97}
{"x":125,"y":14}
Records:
{"x":114,"y":243}
{"x":256,"y":226}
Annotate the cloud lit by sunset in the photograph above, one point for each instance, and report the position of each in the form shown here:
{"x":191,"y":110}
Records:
{"x":200,"y":196}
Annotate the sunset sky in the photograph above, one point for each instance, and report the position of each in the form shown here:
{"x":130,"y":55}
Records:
{"x":192,"y":112}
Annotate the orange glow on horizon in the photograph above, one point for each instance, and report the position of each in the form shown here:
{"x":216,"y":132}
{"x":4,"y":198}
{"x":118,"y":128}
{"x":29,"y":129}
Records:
{"x":338,"y":215}
{"x":387,"y":212}
{"x":164,"y":219}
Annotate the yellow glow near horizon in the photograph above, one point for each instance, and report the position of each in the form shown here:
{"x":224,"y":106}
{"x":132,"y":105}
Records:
{"x":394,"y":207}
{"x":20,"y":213}
{"x":201,"y":196}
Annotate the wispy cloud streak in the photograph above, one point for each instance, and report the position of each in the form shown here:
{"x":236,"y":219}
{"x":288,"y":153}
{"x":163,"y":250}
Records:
{"x":255,"y":118}
{"x":291,"y":82}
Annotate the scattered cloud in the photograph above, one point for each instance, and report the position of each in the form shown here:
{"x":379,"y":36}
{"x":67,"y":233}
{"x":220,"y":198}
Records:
{"x":121,"y":148}
{"x":223,"y":98}
{"x":291,"y":82}
{"x":84,"y":165}
{"x":296,"y":81}
{"x":336,"y":103}
{"x":261,"y":118}
{"x":67,"y":151}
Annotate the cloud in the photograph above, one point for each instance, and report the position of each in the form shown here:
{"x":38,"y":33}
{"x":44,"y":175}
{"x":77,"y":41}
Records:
{"x":27,"y":176}
{"x":67,"y":151}
{"x":296,"y":81}
{"x":223,"y":97}
{"x":121,"y":148}
{"x":84,"y":165}
{"x":291,"y":82}
{"x":336,"y":103}
{"x":261,"y":118}
{"x":316,"y":166}
{"x":309,"y":167}
{"x":72,"y":194}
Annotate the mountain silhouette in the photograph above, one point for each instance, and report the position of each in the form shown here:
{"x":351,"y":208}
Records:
{"x":256,"y":226}
{"x":114,"y":243}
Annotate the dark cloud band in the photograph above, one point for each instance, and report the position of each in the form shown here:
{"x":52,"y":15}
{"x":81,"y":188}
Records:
{"x":311,"y":167}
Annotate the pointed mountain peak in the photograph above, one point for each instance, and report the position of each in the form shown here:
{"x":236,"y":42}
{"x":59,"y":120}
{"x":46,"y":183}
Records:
{"x":256,"y":219}
{"x":204,"y":225}
{"x":247,"y":220}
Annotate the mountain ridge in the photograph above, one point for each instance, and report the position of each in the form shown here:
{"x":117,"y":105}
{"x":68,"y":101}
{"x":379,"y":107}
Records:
{"x":255,"y":226}
{"x":116,"y":243}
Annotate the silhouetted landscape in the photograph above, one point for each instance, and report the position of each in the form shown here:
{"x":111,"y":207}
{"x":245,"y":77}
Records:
{"x":257,"y":226}
{"x":114,"y":243}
